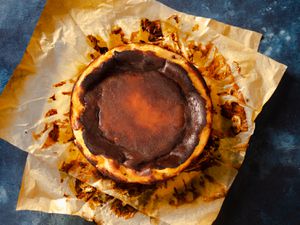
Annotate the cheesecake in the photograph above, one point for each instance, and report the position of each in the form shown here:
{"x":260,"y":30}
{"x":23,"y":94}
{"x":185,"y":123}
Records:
{"x":141,"y":113}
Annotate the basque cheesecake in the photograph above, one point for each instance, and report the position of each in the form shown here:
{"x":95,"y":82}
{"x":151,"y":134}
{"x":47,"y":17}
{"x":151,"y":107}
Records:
{"x":141,"y":113}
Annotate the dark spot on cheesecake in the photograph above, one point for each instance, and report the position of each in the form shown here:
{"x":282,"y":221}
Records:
{"x":83,"y":190}
{"x":153,"y":28}
{"x":102,"y":50}
{"x":122,"y":210}
{"x":99,"y":199}
{"x":187,"y":193}
{"x":66,"y":167}
{"x":98,"y":44}
{"x":175,"y":17}
{"x":118,"y":35}
{"x":59,"y":84}
{"x":51,"y":112}
{"x":67,"y":92}
{"x":117,"y":30}
{"x":92,"y":55}
{"x":83,"y":165}
{"x":52,"y":136}
{"x":97,"y":174}
{"x":209,"y":178}
{"x":237,"y":114}
{"x":52,"y":98}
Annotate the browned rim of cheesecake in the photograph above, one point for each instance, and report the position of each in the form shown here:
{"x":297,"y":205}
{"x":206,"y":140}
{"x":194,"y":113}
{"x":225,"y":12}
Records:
{"x":140,"y":113}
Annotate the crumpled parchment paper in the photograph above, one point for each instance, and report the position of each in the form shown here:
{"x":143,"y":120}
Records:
{"x":34,"y":110}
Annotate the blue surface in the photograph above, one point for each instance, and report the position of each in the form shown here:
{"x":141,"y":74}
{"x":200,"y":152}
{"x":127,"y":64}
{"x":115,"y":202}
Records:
{"x":267,"y":188}
{"x":17,"y":22}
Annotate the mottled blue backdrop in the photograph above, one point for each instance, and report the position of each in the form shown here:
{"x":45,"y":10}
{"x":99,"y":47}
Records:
{"x":267,"y":188}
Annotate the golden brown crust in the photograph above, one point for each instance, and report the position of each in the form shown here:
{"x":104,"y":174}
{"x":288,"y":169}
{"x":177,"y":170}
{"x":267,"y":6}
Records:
{"x":113,"y":168}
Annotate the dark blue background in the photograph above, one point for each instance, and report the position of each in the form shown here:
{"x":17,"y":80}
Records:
{"x":267,"y":188}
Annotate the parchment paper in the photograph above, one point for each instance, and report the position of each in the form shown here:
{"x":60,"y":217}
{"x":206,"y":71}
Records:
{"x":57,"y":53}
{"x":44,"y":193}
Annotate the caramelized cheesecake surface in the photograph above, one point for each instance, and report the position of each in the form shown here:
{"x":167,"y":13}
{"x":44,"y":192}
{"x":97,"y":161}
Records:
{"x":141,"y":113}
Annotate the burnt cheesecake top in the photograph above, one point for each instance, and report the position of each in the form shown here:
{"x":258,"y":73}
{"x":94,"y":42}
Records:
{"x":140,"y":111}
